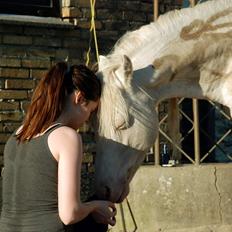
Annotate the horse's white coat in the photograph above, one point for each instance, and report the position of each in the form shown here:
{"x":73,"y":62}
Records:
{"x":191,"y":50}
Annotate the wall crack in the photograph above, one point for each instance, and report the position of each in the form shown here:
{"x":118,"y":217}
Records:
{"x":218,"y":192}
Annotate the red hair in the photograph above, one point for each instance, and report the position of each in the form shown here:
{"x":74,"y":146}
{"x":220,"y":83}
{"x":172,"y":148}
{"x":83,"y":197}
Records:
{"x":49,"y":96}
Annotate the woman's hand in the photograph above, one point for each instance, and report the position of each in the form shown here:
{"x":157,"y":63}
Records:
{"x":105,"y":213}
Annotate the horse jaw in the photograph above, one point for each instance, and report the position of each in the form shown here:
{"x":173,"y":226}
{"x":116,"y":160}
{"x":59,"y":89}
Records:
{"x":118,"y":159}
{"x":115,"y":166}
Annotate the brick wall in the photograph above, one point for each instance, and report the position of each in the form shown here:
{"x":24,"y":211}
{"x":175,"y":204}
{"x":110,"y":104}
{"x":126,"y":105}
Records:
{"x":29,"y":45}
{"x":26,"y":51}
{"x":112,"y":18}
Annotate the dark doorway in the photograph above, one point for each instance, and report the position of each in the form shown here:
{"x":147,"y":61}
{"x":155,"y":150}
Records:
{"x":44,"y":8}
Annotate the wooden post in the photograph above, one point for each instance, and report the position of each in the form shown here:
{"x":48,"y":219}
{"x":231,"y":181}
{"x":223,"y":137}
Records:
{"x":196,"y":132}
{"x":156,"y":145}
{"x":192,"y":3}
{"x":174,"y":127}
{"x":196,"y":119}
{"x":156,"y":9}
{"x":157,"y":142}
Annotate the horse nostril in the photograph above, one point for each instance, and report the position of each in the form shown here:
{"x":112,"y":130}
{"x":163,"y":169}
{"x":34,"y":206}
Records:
{"x":107,"y":192}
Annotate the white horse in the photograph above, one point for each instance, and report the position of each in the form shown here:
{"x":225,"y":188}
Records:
{"x":185,"y":53}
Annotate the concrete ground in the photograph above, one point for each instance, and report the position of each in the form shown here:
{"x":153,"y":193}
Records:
{"x":212,"y":228}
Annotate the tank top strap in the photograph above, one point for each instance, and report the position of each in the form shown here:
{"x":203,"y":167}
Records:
{"x":52,"y":128}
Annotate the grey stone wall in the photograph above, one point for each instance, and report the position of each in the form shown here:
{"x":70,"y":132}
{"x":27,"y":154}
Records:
{"x":180,"y":199}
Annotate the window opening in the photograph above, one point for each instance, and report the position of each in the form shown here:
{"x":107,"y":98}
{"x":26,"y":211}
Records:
{"x":44,"y":8}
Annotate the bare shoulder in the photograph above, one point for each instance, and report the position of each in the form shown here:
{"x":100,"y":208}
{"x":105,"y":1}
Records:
{"x":66,"y":133}
{"x":64,"y":140}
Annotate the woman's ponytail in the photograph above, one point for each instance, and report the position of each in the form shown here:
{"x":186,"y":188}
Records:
{"x":46,"y":104}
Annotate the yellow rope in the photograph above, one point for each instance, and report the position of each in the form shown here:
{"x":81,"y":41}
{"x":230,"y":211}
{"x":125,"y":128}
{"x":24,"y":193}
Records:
{"x":92,"y":33}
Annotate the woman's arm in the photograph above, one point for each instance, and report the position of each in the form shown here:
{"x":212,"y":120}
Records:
{"x":66,"y":146}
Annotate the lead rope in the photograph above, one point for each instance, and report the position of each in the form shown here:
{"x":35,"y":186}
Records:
{"x":93,"y":34}
{"x":132,"y":215}
{"x":123,"y":217}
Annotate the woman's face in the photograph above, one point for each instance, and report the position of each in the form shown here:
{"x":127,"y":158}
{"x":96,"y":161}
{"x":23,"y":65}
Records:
{"x":85,"y":110}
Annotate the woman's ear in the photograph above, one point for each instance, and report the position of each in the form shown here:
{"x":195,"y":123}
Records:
{"x":78,"y":97}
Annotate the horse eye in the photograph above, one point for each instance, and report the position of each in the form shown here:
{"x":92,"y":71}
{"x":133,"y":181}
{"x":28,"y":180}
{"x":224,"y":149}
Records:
{"x":119,"y":122}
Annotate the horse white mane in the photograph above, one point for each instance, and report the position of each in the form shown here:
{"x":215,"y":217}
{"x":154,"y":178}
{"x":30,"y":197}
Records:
{"x":152,"y":40}
{"x":112,"y":97}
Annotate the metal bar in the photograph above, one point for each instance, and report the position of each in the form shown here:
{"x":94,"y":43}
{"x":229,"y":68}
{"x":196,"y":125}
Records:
{"x":191,"y":129}
{"x":163,"y":119}
{"x":215,"y":145}
{"x":186,"y":116}
{"x":123,"y":217}
{"x":221,"y":111}
{"x":180,"y":100}
{"x":177,"y":146}
{"x":132,"y":215}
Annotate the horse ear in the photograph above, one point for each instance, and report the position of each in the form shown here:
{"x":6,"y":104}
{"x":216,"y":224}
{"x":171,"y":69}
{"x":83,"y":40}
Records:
{"x":127,"y":65}
{"x":125,"y":71}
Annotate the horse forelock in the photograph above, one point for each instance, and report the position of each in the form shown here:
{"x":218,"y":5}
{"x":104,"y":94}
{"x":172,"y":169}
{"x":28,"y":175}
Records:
{"x":112,"y":101}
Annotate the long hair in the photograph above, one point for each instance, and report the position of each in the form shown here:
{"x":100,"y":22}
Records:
{"x":49,"y":96}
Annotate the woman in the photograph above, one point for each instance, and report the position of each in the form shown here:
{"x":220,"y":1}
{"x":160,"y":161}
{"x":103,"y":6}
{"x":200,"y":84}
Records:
{"x":42,"y":159}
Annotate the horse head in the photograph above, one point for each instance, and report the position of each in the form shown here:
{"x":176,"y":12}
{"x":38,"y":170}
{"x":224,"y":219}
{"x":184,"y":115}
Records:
{"x":127,"y":127}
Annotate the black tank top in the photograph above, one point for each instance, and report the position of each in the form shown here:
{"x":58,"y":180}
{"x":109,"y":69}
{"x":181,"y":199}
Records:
{"x":30,"y":187}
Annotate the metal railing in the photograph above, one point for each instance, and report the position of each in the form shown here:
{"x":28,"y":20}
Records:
{"x":173,"y":120}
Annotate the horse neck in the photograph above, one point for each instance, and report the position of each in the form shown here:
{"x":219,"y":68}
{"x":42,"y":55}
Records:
{"x":176,"y":28}
{"x":202,"y":74}
{"x":173,"y":90}
{"x":192,"y":84}
{"x":160,"y":88}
